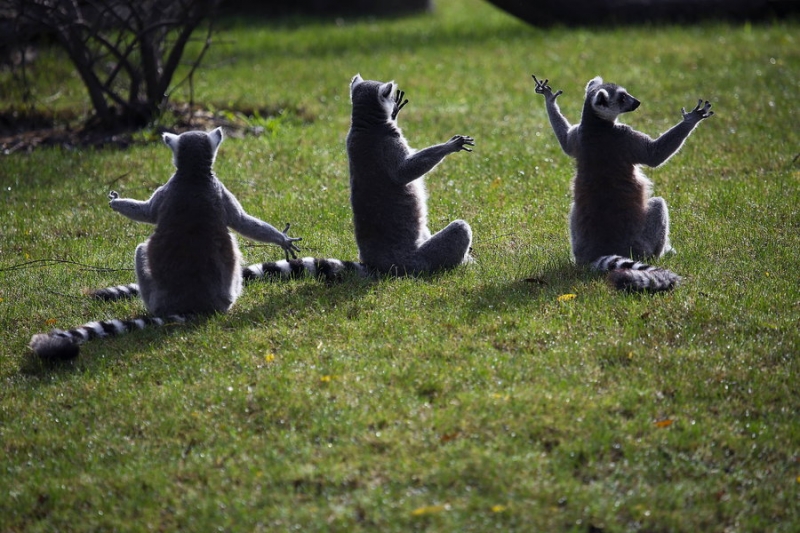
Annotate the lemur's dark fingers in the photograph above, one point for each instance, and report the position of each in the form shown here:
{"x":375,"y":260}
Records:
{"x":290,"y":251}
{"x":540,"y":85}
{"x":558,"y":93}
{"x":288,"y":225}
{"x":538,"y":82}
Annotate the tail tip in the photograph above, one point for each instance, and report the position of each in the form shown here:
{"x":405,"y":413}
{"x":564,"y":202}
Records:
{"x":54,"y":348}
{"x":654,"y":280}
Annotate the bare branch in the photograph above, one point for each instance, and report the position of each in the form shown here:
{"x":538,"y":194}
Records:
{"x":121,"y":46}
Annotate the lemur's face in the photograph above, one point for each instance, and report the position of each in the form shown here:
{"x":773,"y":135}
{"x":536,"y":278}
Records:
{"x":609,"y":100}
{"x":373,"y":97}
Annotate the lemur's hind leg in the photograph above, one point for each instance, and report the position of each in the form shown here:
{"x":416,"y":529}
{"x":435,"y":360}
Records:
{"x":144,"y":277}
{"x":655,"y":234}
{"x":445,"y":249}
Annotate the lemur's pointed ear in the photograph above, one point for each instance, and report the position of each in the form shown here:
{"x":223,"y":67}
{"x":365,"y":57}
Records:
{"x":386,"y":89}
{"x":216,"y":136}
{"x":171,"y":140}
{"x":357,"y":79}
{"x":594,"y":82}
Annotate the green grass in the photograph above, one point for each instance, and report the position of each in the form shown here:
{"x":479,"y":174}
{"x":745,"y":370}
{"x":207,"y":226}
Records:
{"x":468,"y":401}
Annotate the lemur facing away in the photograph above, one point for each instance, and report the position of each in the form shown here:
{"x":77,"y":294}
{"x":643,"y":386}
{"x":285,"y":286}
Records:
{"x":388,"y":196}
{"x":190,"y":265}
{"x":613,"y":217}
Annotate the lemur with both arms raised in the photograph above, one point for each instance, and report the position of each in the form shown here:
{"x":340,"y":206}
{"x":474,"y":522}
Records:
{"x":613,"y":219}
{"x":191,"y":264}
{"x":388,"y":197}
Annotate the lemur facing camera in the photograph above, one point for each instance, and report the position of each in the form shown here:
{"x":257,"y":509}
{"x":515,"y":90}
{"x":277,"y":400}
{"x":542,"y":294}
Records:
{"x":613,"y":220}
{"x":191,"y":264}
{"x":388,"y":197}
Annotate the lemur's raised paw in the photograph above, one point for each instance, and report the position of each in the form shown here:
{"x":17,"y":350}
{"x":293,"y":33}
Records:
{"x":113,"y":195}
{"x":461,"y":142}
{"x":702,"y":110}
{"x":399,"y":103}
{"x":543,"y":88}
{"x":288,"y":246}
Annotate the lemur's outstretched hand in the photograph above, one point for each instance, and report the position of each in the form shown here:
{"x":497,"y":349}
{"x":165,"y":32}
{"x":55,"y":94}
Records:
{"x":697,"y":114}
{"x":399,"y":103}
{"x":546,"y":90}
{"x":288,"y":245}
{"x":460,"y":142}
{"x":113,"y":195}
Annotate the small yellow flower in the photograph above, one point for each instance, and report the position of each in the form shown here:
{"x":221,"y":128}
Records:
{"x":270,"y":357}
{"x":566,"y":297}
{"x":326,"y":379}
{"x":428,"y":509}
{"x":498,"y":508}
{"x":51,"y":321}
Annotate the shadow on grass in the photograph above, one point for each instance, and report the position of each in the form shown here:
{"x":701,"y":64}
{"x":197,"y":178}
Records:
{"x":302,"y":295}
{"x":300,"y":298}
{"x":35,"y":366}
{"x":556,"y":278}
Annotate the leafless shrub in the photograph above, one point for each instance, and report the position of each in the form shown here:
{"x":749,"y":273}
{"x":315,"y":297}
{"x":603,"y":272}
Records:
{"x":125,"y":51}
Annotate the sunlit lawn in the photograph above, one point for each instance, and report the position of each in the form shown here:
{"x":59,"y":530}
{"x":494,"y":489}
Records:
{"x":480,"y":399}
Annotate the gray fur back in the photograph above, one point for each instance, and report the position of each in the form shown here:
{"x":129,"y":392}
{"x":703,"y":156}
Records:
{"x":192,"y":257}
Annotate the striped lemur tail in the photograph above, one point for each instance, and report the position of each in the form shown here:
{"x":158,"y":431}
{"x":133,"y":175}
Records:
{"x":325,"y":269}
{"x":628,"y":275}
{"x":118,"y":292}
{"x":64,"y":345}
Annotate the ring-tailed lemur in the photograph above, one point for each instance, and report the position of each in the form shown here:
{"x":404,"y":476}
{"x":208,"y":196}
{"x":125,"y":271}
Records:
{"x":190,"y":265}
{"x":387,"y":195}
{"x":613,"y":216}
